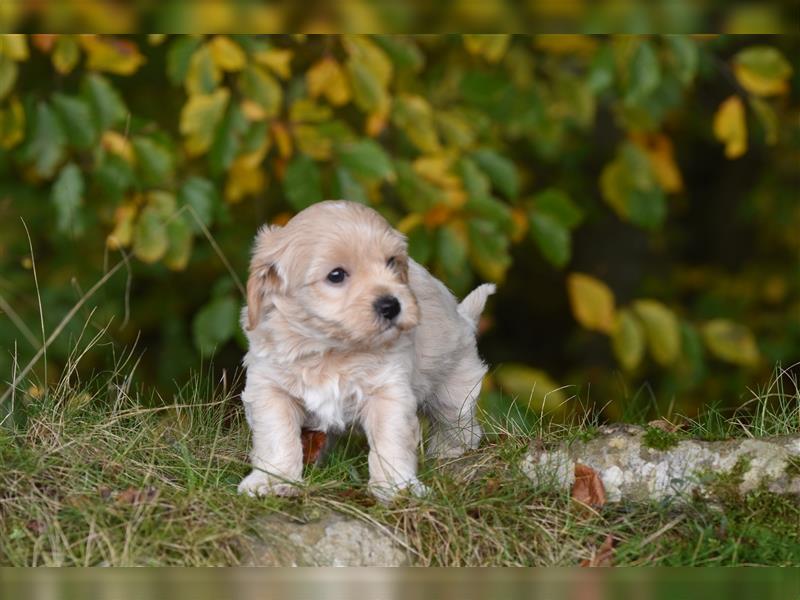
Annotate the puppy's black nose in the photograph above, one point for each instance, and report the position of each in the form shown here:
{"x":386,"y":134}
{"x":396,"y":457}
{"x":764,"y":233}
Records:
{"x":387,"y":306}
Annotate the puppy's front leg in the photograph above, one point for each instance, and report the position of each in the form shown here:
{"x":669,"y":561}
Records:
{"x":392,"y":427}
{"x":277,"y":456}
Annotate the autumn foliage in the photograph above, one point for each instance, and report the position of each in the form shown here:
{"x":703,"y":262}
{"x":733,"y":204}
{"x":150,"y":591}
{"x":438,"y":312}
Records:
{"x":488,"y":151}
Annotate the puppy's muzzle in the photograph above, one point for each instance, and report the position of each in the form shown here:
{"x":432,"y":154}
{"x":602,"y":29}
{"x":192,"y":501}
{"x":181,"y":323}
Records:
{"x":387,"y":307}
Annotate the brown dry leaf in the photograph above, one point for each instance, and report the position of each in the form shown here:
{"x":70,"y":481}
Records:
{"x":313,"y":443}
{"x":665,"y":425}
{"x":36,"y":527}
{"x":601,"y":557}
{"x":588,"y":488}
{"x":137,"y":496}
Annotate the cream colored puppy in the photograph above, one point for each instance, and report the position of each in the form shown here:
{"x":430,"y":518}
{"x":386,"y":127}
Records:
{"x":344,"y":327}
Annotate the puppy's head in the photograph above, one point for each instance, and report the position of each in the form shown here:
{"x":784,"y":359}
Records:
{"x":337,"y":271}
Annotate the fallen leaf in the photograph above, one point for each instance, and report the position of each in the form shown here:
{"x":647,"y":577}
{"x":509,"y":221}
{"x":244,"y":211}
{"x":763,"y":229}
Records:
{"x":137,"y":496}
{"x":665,"y":425}
{"x":35,"y":526}
{"x":588,"y":488}
{"x":601,"y":557}
{"x":313,"y":443}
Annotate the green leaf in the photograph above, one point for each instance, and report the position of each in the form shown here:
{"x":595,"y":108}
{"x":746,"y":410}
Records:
{"x":76,"y":120}
{"x":558,"y":205}
{"x":45,"y":143}
{"x":303,"y":182}
{"x":150,"y":237}
{"x":199,"y":119}
{"x":531,"y":387}
{"x":684,"y":57}
{"x":628,"y":340}
{"x":107,"y":106}
{"x":8,"y":75}
{"x":114,"y":175}
{"x":215,"y":324}
{"x":552,"y":238}
{"x":630,"y":187}
{"x":644,"y":73}
{"x":451,"y":249}
{"x":762,"y":70}
{"x":262,"y":88}
{"x":488,"y":250}
{"x":420,"y":244}
{"x":368,"y":93}
{"x":404,"y":53}
{"x":500,"y":170}
{"x":179,"y":233}
{"x":731,"y":342}
{"x":179,"y":57}
{"x":67,"y":196}
{"x":201,"y":195}
{"x":155,"y":161}
{"x":228,"y":138}
{"x":418,"y":194}
{"x":65,"y":54}
{"x":662,"y":330}
{"x":367,"y":159}
{"x":348,"y":187}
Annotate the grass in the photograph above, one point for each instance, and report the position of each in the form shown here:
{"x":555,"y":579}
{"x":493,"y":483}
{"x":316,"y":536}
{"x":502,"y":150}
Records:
{"x":100,"y":473}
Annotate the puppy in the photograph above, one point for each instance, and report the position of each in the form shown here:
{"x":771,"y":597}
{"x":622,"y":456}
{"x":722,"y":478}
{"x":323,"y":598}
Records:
{"x":344,"y":327}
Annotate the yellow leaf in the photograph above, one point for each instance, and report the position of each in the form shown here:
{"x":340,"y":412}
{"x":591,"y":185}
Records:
{"x":118,"y":144}
{"x":156,"y":39}
{"x":731,"y":342}
{"x":762,"y":70}
{"x":730,"y":127}
{"x":12,"y":124}
{"x":199,"y":118}
{"x":278,"y":60}
{"x":253,"y":110}
{"x":312,"y":142}
{"x":492,"y":47}
{"x":561,"y":43}
{"x":519,"y":224}
{"x":203,"y":74}
{"x":364,"y":50}
{"x":122,"y":234}
{"x":376,"y":122}
{"x":282,"y":139}
{"x":662,"y":330}
{"x":227,"y":54}
{"x":592,"y":302}
{"x":65,"y":54}
{"x":758,"y":85}
{"x":414,"y":116}
{"x":409,"y":222}
{"x":627,"y":340}
{"x":659,"y":150}
{"x":326,"y":77}
{"x":110,"y":54}
{"x":532,"y":388}
{"x":244,"y":179}
{"x":304,"y":110}
{"x":14,"y":46}
{"x":437,"y":169}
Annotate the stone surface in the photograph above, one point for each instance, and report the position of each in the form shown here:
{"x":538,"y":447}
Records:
{"x":332,"y":540}
{"x":632,"y":471}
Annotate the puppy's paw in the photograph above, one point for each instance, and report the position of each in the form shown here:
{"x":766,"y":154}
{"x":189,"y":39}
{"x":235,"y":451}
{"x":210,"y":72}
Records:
{"x":259,"y":483}
{"x":386,"y":492}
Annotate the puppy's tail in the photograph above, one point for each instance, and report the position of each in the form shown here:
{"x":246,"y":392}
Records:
{"x":471,"y":307}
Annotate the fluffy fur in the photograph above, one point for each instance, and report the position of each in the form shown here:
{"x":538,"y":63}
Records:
{"x":321,"y":356}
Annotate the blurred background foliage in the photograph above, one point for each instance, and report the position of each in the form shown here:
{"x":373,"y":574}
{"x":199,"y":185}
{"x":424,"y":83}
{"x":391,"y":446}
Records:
{"x":636,"y":197}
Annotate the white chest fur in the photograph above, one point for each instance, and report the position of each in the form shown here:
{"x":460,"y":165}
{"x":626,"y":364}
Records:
{"x":331,"y":400}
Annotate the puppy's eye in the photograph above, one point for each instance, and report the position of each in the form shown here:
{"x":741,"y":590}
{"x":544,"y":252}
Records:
{"x":390,"y":262}
{"x":337,"y":275}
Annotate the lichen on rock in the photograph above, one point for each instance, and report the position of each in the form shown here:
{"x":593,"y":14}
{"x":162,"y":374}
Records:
{"x":632,"y":470}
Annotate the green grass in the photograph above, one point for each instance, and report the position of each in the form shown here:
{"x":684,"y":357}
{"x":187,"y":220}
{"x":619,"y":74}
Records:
{"x":100,"y":473}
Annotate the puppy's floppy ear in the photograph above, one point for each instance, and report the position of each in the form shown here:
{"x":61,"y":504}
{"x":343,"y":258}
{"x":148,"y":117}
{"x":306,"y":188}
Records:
{"x":264,"y":277}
